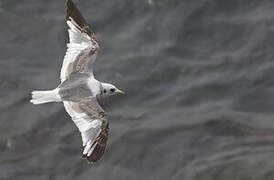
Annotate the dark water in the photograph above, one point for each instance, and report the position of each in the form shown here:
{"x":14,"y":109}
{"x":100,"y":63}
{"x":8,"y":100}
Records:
{"x":199,"y":82}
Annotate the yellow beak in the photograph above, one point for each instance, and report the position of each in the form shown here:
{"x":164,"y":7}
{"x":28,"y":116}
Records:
{"x":120,"y":92}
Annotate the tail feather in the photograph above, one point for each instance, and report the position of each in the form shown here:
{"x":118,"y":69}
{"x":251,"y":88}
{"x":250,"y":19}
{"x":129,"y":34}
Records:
{"x":40,"y":97}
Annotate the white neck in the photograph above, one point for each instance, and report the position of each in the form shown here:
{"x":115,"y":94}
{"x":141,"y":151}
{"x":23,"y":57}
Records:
{"x":95,"y":86}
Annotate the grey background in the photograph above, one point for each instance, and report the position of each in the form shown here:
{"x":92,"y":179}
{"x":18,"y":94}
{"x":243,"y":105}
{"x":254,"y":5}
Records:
{"x":199,"y":82}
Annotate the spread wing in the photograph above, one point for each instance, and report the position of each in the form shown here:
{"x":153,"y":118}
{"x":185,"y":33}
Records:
{"x":90,"y":119}
{"x":82,"y":47}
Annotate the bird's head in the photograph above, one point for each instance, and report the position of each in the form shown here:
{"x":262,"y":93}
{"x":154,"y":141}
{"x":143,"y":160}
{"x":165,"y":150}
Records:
{"x":110,"y":89}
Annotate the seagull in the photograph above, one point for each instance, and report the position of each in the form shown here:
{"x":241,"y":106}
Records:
{"x":79,"y":89}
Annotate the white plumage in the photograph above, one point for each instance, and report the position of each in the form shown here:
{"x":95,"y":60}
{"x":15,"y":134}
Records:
{"x":79,"y":89}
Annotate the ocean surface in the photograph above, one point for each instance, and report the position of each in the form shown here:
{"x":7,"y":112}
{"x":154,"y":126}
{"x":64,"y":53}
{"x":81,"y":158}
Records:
{"x":199,"y":83}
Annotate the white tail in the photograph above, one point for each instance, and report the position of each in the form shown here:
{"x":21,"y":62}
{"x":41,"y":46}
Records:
{"x":40,"y":97}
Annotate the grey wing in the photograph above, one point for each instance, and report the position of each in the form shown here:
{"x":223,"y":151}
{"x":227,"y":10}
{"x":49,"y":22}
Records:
{"x":82,"y":47}
{"x":90,"y":119}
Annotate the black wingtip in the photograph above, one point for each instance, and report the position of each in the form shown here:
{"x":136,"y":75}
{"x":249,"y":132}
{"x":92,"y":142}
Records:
{"x":74,"y":13}
{"x":100,"y":146}
{"x":97,"y":154}
{"x":68,"y":5}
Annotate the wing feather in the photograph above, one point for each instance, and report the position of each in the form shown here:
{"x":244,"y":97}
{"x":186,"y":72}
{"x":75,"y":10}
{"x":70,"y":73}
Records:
{"x":90,"y":119}
{"x":82,"y":47}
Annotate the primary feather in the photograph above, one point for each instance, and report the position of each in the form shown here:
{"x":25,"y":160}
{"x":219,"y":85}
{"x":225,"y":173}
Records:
{"x":79,"y":89}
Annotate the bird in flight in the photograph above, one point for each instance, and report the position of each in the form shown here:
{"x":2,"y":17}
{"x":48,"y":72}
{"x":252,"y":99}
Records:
{"x":79,"y":89}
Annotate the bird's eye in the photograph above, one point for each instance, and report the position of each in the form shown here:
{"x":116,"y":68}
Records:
{"x":112,"y":90}
{"x":105,"y":91}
